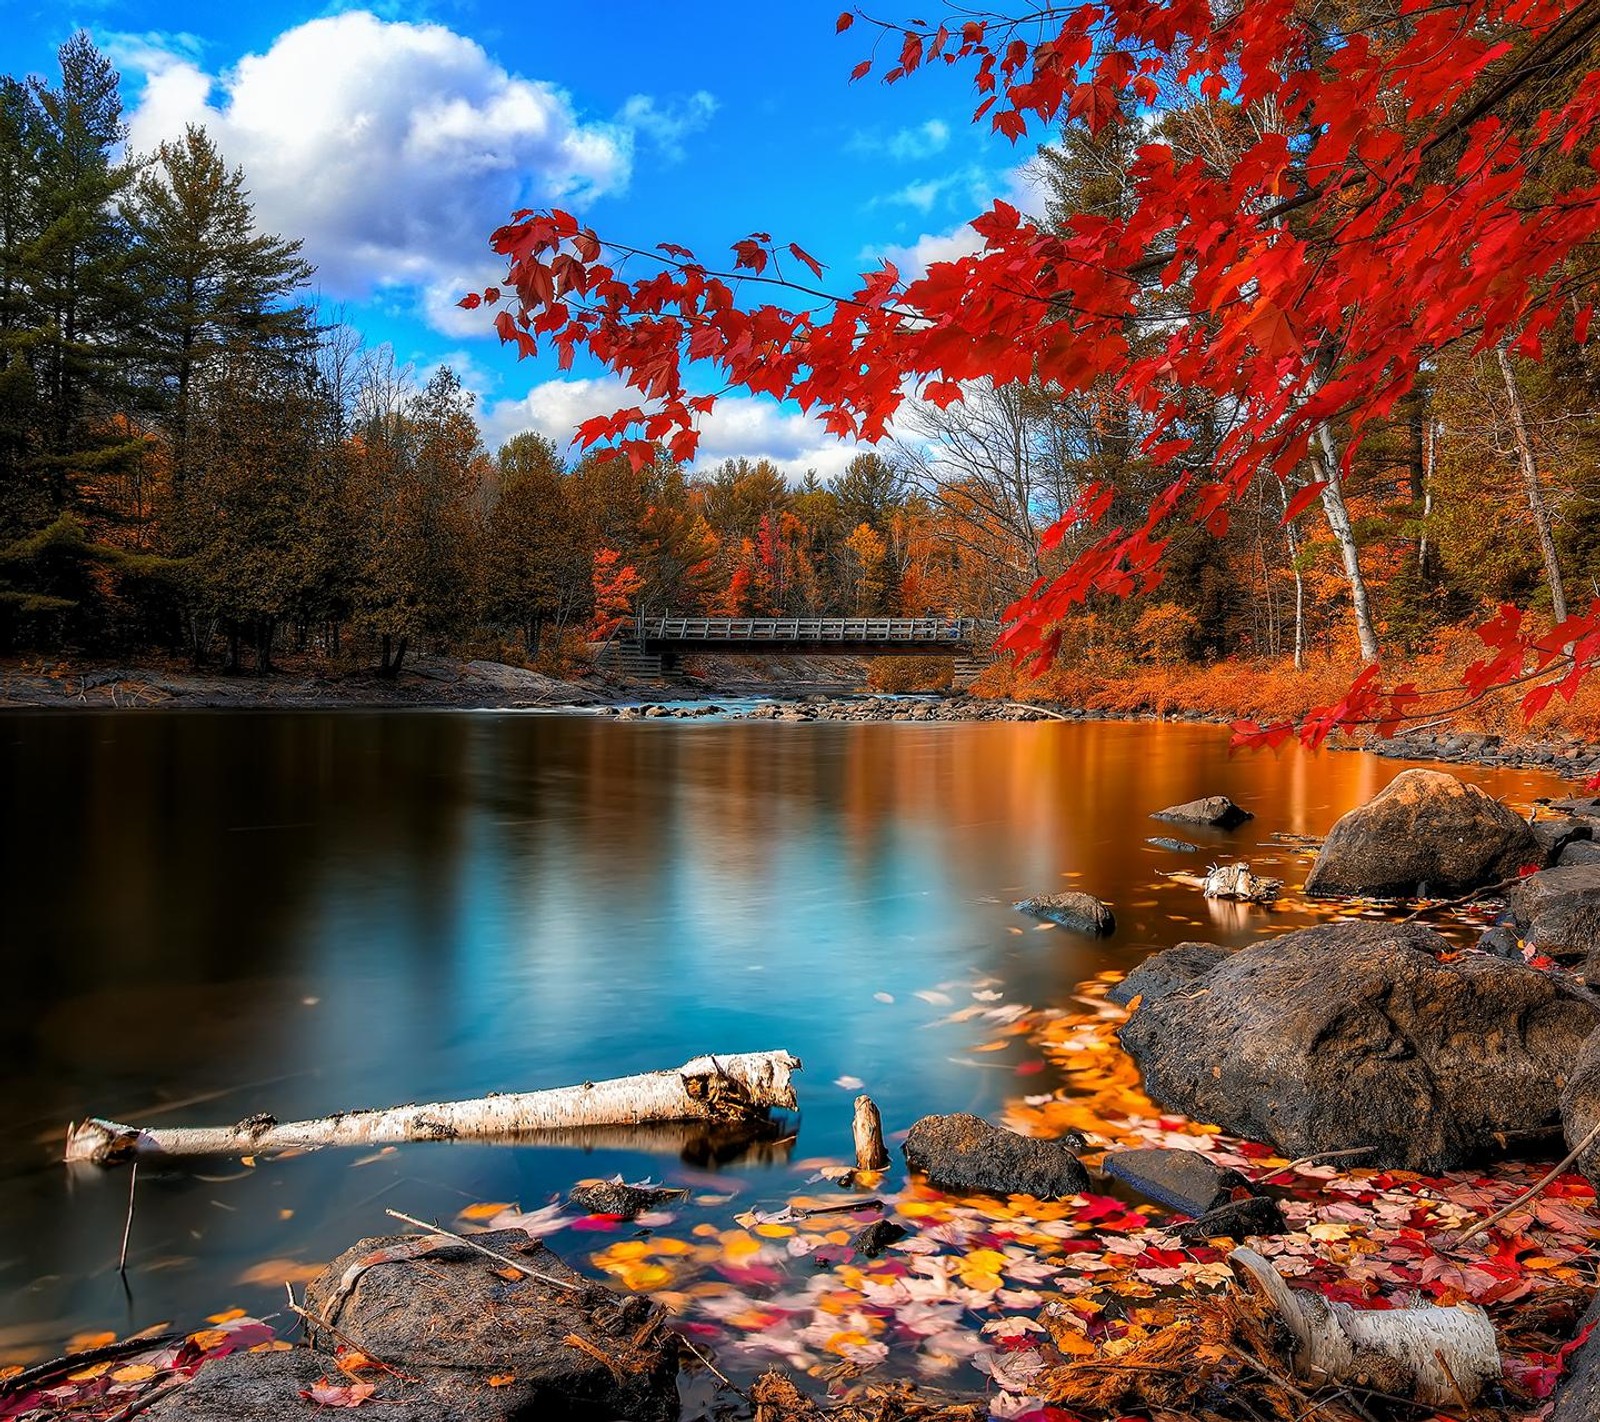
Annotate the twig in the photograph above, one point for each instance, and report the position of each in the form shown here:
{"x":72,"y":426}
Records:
{"x":505,"y":1259}
{"x":72,"y":1362}
{"x":843,"y":1207}
{"x":1485,"y":892}
{"x":1042,"y":710}
{"x":1538,"y":1187}
{"x":127,"y":1225}
{"x":1313,"y":1159}
{"x":717,"y":1372}
{"x":350,"y":1342}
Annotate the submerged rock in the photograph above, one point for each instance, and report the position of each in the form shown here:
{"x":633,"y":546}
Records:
{"x":874,"y":1238}
{"x":1177,"y":846}
{"x":626,"y":1202}
{"x":965,"y":1153}
{"x":1355,"y":1034}
{"x":1081,"y":912}
{"x":449,"y":1314}
{"x":1426,"y":835}
{"x":1218,"y":811}
{"x":1167,"y":971}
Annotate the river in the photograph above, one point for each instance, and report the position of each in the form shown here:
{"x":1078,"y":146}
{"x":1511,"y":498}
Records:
{"x":210,"y":915}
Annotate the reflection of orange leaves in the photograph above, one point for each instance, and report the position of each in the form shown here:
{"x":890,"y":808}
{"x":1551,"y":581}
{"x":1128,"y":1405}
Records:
{"x":482,"y":1212}
{"x":226,"y":1317}
{"x":83,"y":1342}
{"x":270,"y":1272}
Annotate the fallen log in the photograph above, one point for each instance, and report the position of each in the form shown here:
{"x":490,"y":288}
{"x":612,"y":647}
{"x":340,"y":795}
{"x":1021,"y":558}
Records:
{"x":710,"y":1088}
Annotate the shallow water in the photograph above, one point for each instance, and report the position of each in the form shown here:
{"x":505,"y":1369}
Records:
{"x":210,"y":915}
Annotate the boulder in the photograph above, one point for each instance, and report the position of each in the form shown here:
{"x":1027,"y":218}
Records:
{"x":963,"y":1153}
{"x":449,"y":1314}
{"x":1081,"y":912}
{"x":1557,"y":911}
{"x":1580,"y":1107}
{"x":1578,"y":851}
{"x":1182,"y":1180}
{"x":1166,"y":971}
{"x":1426,"y":835}
{"x":1218,"y":811}
{"x":1357,"y":1035}
{"x":1554,"y":835}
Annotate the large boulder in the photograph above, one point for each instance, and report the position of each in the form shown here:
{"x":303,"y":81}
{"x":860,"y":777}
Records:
{"x":1356,"y":1034}
{"x":457,"y":1318}
{"x":964,"y":1153}
{"x":1557,"y":912}
{"x":1081,"y":912}
{"x":1426,"y":835}
{"x":1218,"y":811}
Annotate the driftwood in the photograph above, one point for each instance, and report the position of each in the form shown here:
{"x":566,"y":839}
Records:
{"x":731,"y":1088}
{"x":1440,"y":1356}
{"x":1235,"y":881}
{"x":867,"y":1129}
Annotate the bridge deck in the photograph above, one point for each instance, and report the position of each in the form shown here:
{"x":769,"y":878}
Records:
{"x":816,"y":635}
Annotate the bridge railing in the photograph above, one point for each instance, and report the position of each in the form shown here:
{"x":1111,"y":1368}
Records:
{"x":815,"y":629}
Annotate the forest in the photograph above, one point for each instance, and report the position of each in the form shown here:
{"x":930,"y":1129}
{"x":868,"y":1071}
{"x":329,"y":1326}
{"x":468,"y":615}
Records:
{"x":199,"y":459}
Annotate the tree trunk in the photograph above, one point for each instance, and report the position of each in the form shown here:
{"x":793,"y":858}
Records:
{"x":709,"y":1088}
{"x":399,"y":655}
{"x":1333,"y":505}
{"x":1530,"y":477}
{"x":265,"y":626}
{"x":233,"y":647}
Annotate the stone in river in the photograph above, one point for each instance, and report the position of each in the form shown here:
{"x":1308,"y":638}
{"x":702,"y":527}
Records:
{"x":963,"y":1153}
{"x":1357,"y":1034}
{"x":1081,"y":912}
{"x":1218,"y":811}
{"x":1166,"y":971}
{"x":1426,"y":835}
{"x":1182,"y":1180}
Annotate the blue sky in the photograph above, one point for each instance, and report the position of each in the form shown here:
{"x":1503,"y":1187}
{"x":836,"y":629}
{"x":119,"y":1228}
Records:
{"x":393,"y":138}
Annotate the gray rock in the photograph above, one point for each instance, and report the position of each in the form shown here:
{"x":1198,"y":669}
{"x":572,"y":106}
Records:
{"x":1218,"y":811}
{"x":1578,"y":851}
{"x":449,"y":1315}
{"x":1426,"y":835}
{"x":964,"y":1153}
{"x":1177,"y":846}
{"x":1167,"y":971}
{"x":1502,"y":941}
{"x":1580,"y":1107}
{"x":876,"y":1237}
{"x":1556,"y":834}
{"x":1081,"y":912}
{"x":1182,"y":1180}
{"x":627,"y":1202}
{"x":1558,"y":913}
{"x":1355,"y":1034}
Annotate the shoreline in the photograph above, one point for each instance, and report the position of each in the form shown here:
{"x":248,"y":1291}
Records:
{"x":447,"y":685}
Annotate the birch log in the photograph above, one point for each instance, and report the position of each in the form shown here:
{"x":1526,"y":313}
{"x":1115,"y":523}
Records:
{"x":709,"y":1088}
{"x":1440,"y":1356}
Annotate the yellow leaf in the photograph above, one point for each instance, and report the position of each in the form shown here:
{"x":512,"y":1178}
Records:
{"x":278,"y":1272}
{"x":90,"y":1373}
{"x":134,"y":1373}
{"x":227,"y":1317}
{"x":774,"y":1231}
{"x":273,"y":1345}
{"x":482,"y":1212}
{"x":208,"y":1338}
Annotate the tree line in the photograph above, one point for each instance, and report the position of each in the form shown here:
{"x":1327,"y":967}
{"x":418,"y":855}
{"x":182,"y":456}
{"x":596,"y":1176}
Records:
{"x":195,"y":457}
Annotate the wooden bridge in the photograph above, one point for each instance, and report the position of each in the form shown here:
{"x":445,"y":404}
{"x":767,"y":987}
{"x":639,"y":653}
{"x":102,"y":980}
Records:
{"x":658,"y":642}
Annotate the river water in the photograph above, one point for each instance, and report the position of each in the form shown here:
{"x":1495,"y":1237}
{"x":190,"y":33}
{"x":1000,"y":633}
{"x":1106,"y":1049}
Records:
{"x":210,"y":915}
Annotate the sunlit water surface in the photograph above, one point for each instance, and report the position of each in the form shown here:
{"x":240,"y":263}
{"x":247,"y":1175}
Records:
{"x":206,"y":916}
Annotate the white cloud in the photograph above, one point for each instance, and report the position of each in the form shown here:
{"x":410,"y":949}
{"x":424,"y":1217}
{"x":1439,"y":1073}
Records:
{"x":740,"y":427}
{"x":906,"y":145}
{"x":1021,"y":187}
{"x":667,"y":125}
{"x":394,"y":148}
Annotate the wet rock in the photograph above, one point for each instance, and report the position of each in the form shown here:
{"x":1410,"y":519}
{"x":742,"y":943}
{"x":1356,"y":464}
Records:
{"x":1177,"y":846}
{"x":266,"y":1387}
{"x":1081,"y":912}
{"x":1218,"y":811}
{"x":627,"y":1202}
{"x":1580,"y":1107}
{"x":1355,"y":1034}
{"x":964,"y":1153}
{"x":1502,"y":941}
{"x":1167,"y":971}
{"x":1182,"y":1180}
{"x":1238,"y":1219}
{"x":877,"y":1237}
{"x":1426,"y":835}
{"x":1556,"y":834}
{"x":447,"y":1315}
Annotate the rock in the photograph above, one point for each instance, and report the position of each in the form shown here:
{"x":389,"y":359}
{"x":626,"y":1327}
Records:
{"x":1580,"y":1107}
{"x":877,"y":1237}
{"x":1502,"y":941}
{"x":1555,"y":835}
{"x":1182,"y":1180}
{"x":1536,"y":894}
{"x":1218,"y":811}
{"x":1578,"y":851}
{"x":266,"y":1387}
{"x":448,"y":1314}
{"x":1426,"y":835}
{"x":963,"y":1153}
{"x":1238,"y":1219}
{"x":1355,"y":1034}
{"x":626,"y":1202}
{"x":1177,"y":846}
{"x":1167,"y":971}
{"x":1557,"y":911}
{"x":1082,"y":912}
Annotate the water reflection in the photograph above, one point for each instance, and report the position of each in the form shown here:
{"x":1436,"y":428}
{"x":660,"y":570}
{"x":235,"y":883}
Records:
{"x":209,"y":915}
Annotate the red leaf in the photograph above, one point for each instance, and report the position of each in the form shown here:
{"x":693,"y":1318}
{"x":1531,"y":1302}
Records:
{"x":1302,"y":499}
{"x":471,"y":301}
{"x":845,"y":21}
{"x":326,"y":1394}
{"x":807,"y":258}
